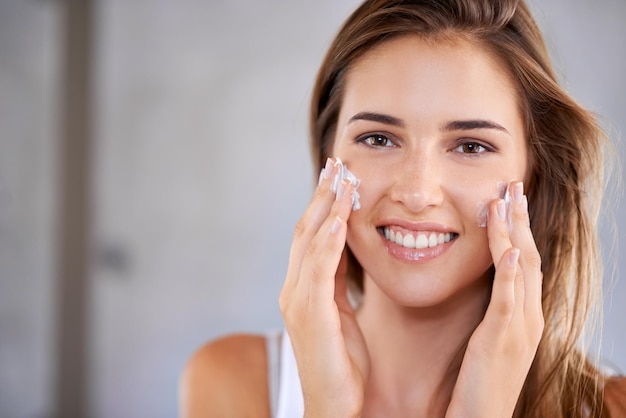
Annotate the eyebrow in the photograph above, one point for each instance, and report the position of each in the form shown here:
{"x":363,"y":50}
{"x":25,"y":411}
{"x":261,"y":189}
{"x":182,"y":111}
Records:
{"x":378,"y":117}
{"x":468,"y":125}
{"x":455,"y":125}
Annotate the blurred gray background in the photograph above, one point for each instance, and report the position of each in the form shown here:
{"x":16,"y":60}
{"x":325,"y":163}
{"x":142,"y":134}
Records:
{"x":150,"y":184}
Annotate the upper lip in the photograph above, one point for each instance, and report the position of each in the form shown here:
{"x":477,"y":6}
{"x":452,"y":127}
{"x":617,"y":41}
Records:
{"x":416,"y":226}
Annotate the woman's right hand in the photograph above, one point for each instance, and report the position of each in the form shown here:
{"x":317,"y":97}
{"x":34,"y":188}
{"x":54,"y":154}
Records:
{"x":332,"y":358}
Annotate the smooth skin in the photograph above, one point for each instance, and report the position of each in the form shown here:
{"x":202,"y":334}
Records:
{"x":330,"y":349}
{"x":391,"y":356}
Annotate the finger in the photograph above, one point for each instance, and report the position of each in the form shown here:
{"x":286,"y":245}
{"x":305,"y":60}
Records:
{"x":341,"y":288}
{"x":310,"y":222}
{"x":503,"y":301}
{"x":500,"y":243}
{"x":497,"y":230}
{"x":530,"y":259}
{"x":316,"y":281}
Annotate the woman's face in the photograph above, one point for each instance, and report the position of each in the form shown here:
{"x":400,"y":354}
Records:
{"x":434,"y":132}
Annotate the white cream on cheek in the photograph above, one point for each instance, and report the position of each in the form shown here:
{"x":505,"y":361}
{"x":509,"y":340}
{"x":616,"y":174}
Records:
{"x":482,"y":206}
{"x":344,"y":174}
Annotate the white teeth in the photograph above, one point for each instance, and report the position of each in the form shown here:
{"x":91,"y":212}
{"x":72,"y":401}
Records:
{"x":432,"y":240}
{"x":420,"y":242}
{"x":408,"y":241}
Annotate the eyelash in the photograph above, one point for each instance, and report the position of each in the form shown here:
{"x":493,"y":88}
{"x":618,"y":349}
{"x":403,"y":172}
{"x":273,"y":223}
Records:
{"x":365,"y":139}
{"x":478,"y":146}
{"x":460,"y":146}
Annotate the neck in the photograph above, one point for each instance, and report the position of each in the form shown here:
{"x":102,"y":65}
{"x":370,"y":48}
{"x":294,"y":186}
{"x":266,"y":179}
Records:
{"x":416,"y":352}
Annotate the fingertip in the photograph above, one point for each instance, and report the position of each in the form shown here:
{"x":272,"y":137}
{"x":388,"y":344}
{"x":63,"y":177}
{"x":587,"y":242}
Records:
{"x":513,"y":256}
{"x":336,"y":225}
{"x":501,"y":209}
{"x":341,"y":189}
{"x":518,"y":191}
{"x":519,"y":197}
{"x":344,"y":198}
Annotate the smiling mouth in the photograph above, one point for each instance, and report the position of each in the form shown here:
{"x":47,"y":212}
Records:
{"x":416,"y":240}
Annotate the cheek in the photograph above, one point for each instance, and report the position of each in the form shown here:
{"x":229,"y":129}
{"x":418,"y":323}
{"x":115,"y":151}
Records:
{"x":483,"y":196}
{"x":472,"y":192}
{"x":373,"y":186}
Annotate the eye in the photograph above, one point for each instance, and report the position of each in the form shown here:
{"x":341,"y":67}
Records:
{"x":376,"y":141}
{"x":470,"y":147}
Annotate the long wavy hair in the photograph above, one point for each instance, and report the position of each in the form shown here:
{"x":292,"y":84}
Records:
{"x":564,"y":189}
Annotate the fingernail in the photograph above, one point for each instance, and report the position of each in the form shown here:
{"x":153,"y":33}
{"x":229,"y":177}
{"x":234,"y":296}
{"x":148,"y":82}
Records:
{"x":335,"y":226}
{"x":335,"y":183}
{"x":322,"y":176}
{"x":328,"y":168}
{"x":341,"y":189}
{"x":518,"y":192}
{"x":514,"y":256}
{"x":501,"y":209}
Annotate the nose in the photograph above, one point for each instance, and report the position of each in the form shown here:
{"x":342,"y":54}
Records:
{"x":418,"y":182}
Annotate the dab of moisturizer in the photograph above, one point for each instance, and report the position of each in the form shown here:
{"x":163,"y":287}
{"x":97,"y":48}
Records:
{"x":502,"y":192}
{"x":344,"y":174}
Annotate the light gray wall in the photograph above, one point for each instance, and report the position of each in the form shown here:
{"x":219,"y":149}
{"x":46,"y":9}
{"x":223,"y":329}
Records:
{"x":587,"y":40}
{"x":28,"y":64}
{"x":201,"y":171}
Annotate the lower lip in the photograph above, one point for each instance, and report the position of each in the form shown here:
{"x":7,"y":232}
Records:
{"x":414,"y":255}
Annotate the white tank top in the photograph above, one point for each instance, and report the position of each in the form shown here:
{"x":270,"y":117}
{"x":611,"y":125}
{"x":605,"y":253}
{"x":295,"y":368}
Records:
{"x":284,"y":383}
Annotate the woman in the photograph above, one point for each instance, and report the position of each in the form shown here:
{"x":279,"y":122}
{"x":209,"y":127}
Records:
{"x":466,"y":303}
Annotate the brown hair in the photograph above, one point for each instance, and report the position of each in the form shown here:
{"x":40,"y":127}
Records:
{"x":565,"y":163}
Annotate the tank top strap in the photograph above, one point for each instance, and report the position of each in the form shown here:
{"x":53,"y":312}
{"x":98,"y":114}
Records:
{"x":273,"y":342}
{"x":290,"y":400}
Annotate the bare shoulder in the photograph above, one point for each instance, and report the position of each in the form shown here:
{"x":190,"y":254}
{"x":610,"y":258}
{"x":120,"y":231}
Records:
{"x":226,"y":377}
{"x":615,"y":396}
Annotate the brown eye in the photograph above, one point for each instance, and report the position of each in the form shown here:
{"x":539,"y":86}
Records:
{"x":377,"y":141}
{"x":471,"y":148}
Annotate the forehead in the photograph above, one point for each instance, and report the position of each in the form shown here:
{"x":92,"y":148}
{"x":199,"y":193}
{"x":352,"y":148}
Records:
{"x":413,"y":77}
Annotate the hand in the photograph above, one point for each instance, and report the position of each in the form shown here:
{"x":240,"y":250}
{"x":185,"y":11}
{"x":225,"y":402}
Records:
{"x":502,"y":348}
{"x":329,"y":347}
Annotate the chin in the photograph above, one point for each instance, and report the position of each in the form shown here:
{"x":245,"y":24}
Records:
{"x":414,"y":293}
{"x":422,"y":291}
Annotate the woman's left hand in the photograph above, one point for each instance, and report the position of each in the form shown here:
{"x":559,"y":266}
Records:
{"x":502,"y":348}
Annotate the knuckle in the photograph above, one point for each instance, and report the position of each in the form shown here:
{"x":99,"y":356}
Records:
{"x":311,"y":248}
{"x":282,"y":300}
{"x":319,"y":193}
{"x":300,"y":228}
{"x":283,"y":303}
{"x":505,"y":307}
{"x":317,"y":272}
{"x":534,"y":259}
{"x":288,"y":309}
{"x":519,"y":216}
